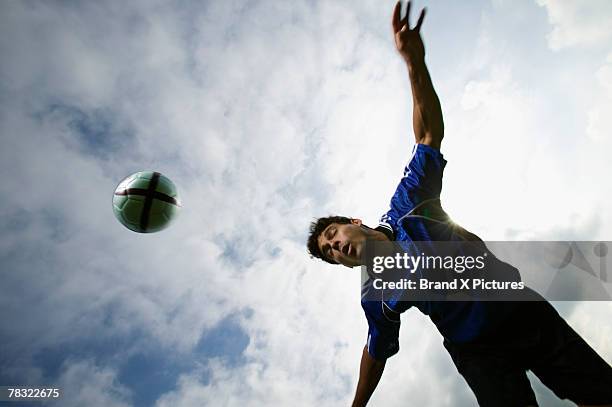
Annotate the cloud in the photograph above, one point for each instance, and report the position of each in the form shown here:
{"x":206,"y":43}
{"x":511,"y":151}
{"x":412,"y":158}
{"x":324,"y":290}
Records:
{"x":575,"y":23}
{"x":223,"y":112}
{"x":84,"y":383}
{"x":599,"y":123}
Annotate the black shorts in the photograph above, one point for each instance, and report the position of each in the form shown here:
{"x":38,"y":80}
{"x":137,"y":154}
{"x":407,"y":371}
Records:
{"x":536,"y":338}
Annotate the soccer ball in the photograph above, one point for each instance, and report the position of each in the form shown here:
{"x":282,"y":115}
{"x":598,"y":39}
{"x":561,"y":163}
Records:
{"x":146,"y":202}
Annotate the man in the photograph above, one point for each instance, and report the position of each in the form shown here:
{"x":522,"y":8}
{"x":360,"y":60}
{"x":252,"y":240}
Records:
{"x":492,"y":344}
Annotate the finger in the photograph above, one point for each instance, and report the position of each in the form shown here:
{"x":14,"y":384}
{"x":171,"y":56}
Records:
{"x":395,"y":21}
{"x":420,"y":22}
{"x":407,"y":18}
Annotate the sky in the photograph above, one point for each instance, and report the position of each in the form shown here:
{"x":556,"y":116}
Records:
{"x":266,"y":115}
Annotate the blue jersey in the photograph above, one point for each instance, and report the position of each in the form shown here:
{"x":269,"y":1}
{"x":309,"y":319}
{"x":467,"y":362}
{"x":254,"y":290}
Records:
{"x":415,"y":214}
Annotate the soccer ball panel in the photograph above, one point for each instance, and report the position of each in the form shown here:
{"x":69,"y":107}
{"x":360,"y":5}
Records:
{"x":119,"y":202}
{"x":141,"y":183}
{"x":165,"y":186}
{"x":161,"y":215}
{"x":132,"y":211}
{"x":144,"y":175}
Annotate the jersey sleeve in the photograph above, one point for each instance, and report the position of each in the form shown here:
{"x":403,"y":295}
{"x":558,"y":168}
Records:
{"x":422,"y":180}
{"x":383,"y":330}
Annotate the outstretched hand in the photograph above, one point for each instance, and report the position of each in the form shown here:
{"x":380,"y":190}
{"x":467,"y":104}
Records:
{"x":408,"y":41}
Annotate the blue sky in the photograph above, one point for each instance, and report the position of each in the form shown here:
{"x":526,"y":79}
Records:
{"x":265,"y":115}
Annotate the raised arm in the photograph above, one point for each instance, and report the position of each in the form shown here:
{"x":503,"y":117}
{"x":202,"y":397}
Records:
{"x":426,"y":113}
{"x":370,"y":372}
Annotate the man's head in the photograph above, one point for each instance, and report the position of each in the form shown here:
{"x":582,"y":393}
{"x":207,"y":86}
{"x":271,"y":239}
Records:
{"x":338,"y":240}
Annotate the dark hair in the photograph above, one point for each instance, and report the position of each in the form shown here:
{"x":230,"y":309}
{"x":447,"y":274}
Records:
{"x":316,"y":228}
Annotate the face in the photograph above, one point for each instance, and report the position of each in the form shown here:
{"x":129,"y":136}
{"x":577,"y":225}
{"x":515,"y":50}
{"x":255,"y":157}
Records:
{"x":343,"y":243}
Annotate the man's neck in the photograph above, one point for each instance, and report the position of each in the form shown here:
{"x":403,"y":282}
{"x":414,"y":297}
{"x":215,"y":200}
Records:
{"x":383,"y":234}
{"x":380,"y":234}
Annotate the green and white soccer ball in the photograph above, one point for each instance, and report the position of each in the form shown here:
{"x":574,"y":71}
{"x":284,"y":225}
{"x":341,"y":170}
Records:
{"x":146,"y":202}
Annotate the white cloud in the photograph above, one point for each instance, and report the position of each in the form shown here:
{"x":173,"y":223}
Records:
{"x":84,"y":383}
{"x":232,"y":124}
{"x":577,"y":23}
{"x":495,"y":121}
{"x":584,"y":319}
{"x":600,"y":123}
